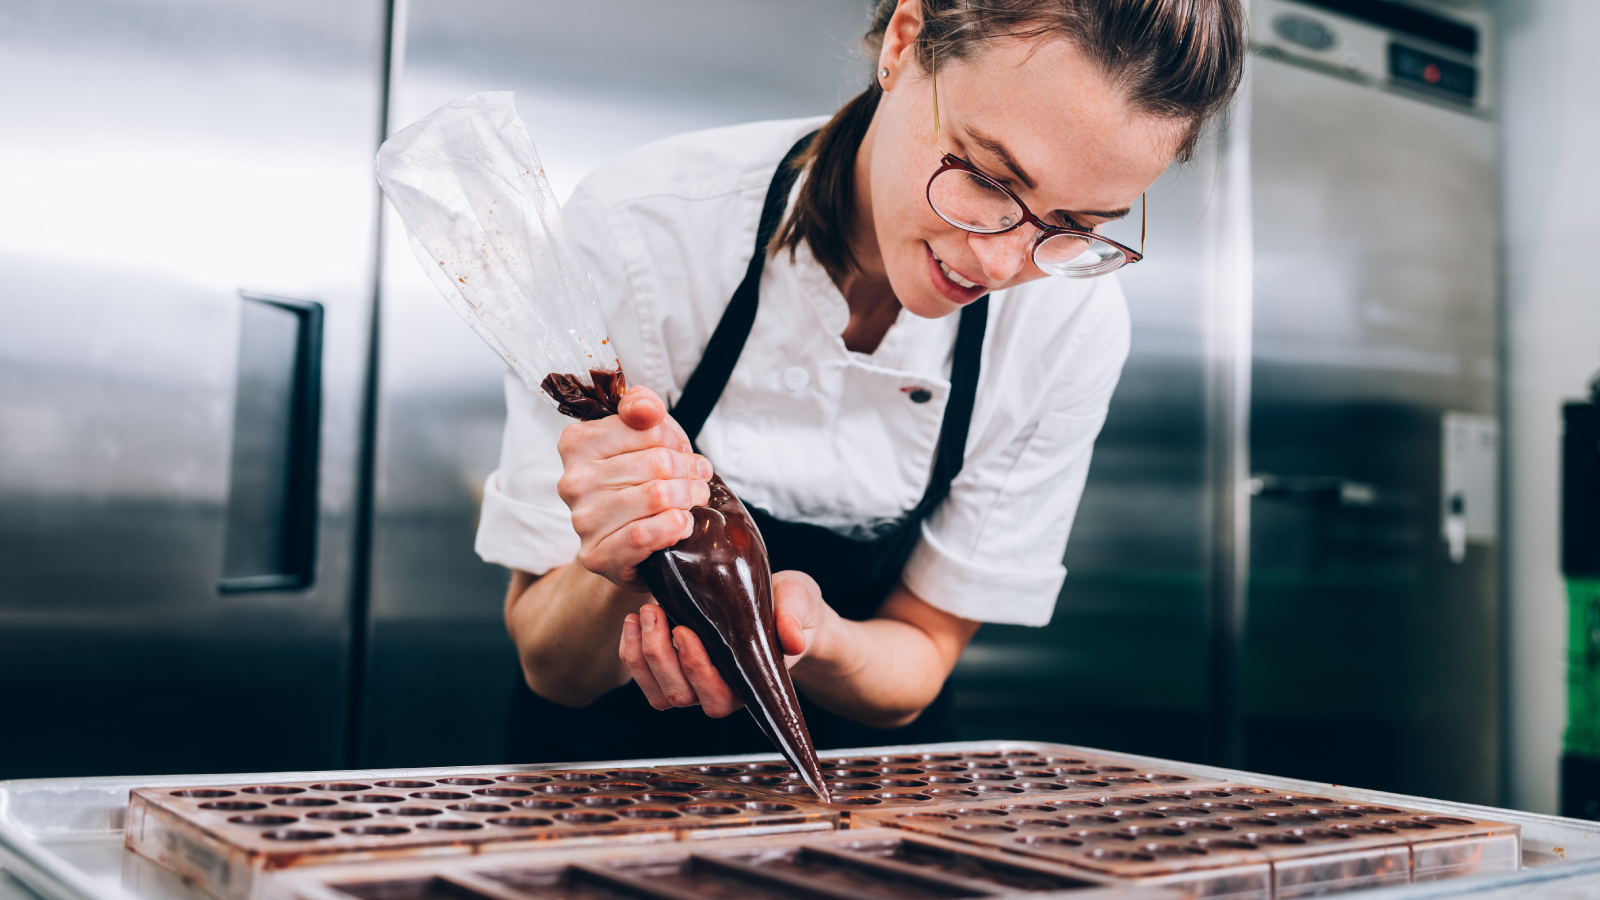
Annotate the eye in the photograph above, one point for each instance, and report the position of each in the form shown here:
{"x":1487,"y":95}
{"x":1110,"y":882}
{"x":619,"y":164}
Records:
{"x":984,"y":184}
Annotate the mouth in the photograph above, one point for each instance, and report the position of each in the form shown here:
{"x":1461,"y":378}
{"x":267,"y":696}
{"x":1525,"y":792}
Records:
{"x":954,"y":286}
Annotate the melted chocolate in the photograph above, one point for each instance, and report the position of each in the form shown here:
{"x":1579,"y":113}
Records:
{"x":587,"y":401}
{"x":718,"y":583}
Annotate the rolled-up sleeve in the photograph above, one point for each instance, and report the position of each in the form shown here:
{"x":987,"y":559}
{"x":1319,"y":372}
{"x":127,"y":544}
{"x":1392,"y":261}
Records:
{"x":992,"y":550}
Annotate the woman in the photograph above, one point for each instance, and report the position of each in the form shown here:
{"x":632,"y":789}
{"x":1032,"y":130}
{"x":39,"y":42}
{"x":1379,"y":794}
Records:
{"x":899,"y":392}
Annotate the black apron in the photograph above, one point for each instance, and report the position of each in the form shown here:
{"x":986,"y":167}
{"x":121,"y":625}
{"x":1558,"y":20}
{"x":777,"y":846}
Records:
{"x":855,"y":575}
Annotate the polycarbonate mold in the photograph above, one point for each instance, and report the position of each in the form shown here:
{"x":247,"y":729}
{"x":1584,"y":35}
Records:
{"x":221,"y":837}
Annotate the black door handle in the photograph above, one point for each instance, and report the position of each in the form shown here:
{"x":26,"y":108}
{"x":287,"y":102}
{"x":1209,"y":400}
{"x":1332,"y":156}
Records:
{"x":271,"y":538}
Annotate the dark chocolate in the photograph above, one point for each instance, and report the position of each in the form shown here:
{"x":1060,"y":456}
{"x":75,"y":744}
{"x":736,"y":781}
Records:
{"x":718,"y":583}
{"x":587,"y":401}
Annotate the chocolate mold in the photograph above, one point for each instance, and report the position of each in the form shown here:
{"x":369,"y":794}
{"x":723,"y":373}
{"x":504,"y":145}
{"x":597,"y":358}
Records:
{"x":222,"y":838}
{"x":870,"y":863}
{"x":1230,"y":840}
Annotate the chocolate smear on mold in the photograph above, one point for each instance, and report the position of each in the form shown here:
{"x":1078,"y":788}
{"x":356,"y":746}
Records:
{"x":718,"y":582}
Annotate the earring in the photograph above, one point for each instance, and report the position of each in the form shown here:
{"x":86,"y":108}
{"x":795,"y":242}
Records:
{"x":883,"y":73}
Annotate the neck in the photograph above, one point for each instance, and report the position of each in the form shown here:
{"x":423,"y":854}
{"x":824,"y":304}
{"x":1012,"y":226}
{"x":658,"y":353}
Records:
{"x":866,"y":289}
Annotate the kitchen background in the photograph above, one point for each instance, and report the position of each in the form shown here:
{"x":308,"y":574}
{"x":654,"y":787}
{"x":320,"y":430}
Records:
{"x":242,"y":442}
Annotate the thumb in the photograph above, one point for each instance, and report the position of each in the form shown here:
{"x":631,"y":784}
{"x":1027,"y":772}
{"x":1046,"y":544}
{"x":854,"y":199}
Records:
{"x":798,"y":611}
{"x":641,"y":408}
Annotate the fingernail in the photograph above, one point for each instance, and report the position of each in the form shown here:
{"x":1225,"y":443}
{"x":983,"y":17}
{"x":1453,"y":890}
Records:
{"x":675,"y":643}
{"x":647,"y":618}
{"x":688,"y":526}
{"x":702,"y":467}
{"x":630,"y":629}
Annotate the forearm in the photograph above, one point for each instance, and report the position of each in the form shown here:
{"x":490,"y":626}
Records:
{"x":566,"y":624}
{"x":882,"y":672}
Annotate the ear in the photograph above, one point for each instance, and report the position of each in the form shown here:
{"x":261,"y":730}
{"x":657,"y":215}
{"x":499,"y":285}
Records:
{"x":899,"y":43}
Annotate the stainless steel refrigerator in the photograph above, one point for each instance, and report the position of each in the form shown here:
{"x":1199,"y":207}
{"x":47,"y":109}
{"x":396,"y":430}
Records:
{"x":1286,"y":554}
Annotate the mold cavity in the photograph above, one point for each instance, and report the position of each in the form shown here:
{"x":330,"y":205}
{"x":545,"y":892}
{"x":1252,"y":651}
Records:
{"x":1026,"y":807}
{"x":411,"y":811}
{"x":519,"y":821}
{"x":466,"y":782}
{"x":984,"y":827}
{"x":939,"y":757}
{"x":1211,"y":843}
{"x":1048,"y":840}
{"x":1171,"y":850}
{"x":376,"y":829}
{"x":1310,"y":801}
{"x":977,"y":811}
{"x":853,"y":773}
{"x":768,"y":767}
{"x":1089,"y":818}
{"x":657,"y":797}
{"x":478,"y":807}
{"x":202,"y":793}
{"x":606,"y":802}
{"x":1167,"y":779}
{"x":620,"y":786}
{"x":711,"y":795}
{"x":646,"y":813}
{"x":542,"y":803}
{"x":1191,"y":825}
{"x":951,"y":792}
{"x":927,"y":818}
{"x":441,"y":795}
{"x":902,"y":783}
{"x":1126,"y":779}
{"x":1064,"y":761}
{"x":585,"y":818}
{"x":944,"y":768}
{"x":450,"y":825}
{"x":1405,"y":824}
{"x":997,"y":789}
{"x":1294,"y":818}
{"x":991,"y":765}
{"x":565,"y":789}
{"x":1331,"y":813}
{"x":1358,"y":828}
{"x":794,"y":789}
{"x":858,"y":801}
{"x":1137,"y":814}
{"x":708,"y":809}
{"x":375,"y":798}
{"x":1443,"y":820}
{"x":522,"y":779}
{"x":1321,"y":834}
{"x":233,"y":805}
{"x":1083,"y":782}
{"x":344,"y":787}
{"x":1212,"y":804}
{"x":1112,"y":768}
{"x":985,"y":754}
{"x":1101,"y":854}
{"x":1038,"y":823}
{"x":504,"y":792}
{"x":1374,"y":810}
{"x":1211,"y":794}
{"x":305,"y":801}
{"x":274,"y":789}
{"x":715,"y":770}
{"x":1076,"y":804}
{"x":1126,"y":801}
{"x":853,"y":785}
{"x":1183,"y":811}
{"x":761,"y":779}
{"x":899,"y":770}
{"x":1279,"y":840}
{"x":264,"y":819}
{"x":949,"y":779}
{"x":1153,"y":831}
{"x":1101,"y":837}
{"x":903,"y":796}
{"x":767,"y":806}
{"x":632,"y":775}
{"x":340,"y":815}
{"x":994,"y":776}
{"x":296,"y":834}
{"x":668,"y":784}
{"x":858,"y":763}
{"x":578,"y":776}
{"x":404,"y":784}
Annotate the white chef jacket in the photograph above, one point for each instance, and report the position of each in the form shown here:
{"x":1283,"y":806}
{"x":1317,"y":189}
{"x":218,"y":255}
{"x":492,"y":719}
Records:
{"x":807,"y":429}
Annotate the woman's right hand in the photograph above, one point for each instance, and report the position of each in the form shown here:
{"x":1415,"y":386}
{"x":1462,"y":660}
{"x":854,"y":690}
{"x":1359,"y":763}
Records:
{"x":630,"y":480}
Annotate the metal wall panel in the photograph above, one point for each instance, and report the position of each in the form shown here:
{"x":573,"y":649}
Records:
{"x":160,"y":156}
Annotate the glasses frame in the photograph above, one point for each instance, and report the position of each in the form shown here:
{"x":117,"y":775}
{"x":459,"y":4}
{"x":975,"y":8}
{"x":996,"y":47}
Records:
{"x":949,"y":161}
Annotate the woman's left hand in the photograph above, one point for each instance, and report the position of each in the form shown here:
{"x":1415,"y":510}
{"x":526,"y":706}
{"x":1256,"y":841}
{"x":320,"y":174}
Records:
{"x":672,"y":667}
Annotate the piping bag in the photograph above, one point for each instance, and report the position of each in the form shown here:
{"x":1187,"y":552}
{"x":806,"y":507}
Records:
{"x":486,"y":227}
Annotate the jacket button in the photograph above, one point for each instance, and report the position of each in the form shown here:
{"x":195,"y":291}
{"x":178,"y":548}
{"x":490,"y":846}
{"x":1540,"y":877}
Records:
{"x":796,"y":378}
{"x":921,"y":395}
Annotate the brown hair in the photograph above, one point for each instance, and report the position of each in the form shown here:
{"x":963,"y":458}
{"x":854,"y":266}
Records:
{"x":1177,"y":59}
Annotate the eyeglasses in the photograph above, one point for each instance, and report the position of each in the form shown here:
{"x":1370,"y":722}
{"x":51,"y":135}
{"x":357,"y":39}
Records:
{"x":972,"y":201}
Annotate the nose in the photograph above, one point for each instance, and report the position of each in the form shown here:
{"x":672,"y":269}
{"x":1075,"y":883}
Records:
{"x":1002,"y":256}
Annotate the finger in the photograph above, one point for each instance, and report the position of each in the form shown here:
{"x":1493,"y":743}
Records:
{"x":716,"y":697}
{"x":641,"y":408}
{"x":650,"y":464}
{"x":791,"y":633}
{"x":597,"y":516}
{"x":627,"y":547}
{"x":631,"y":651}
{"x":609,"y":437}
{"x":798,"y":610}
{"x":662,"y":657}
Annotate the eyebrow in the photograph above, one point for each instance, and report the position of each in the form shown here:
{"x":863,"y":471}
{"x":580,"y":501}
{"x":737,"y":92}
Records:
{"x":1006,"y":159}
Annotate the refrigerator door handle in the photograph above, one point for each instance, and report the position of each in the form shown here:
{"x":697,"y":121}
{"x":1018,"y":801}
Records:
{"x":272,"y":497}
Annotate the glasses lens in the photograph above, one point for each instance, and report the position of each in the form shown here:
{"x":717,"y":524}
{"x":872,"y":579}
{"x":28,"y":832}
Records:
{"x":1073,"y":256}
{"x":972,"y":202}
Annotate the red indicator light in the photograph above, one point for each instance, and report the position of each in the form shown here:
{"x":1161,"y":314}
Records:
{"x":1432,"y":74}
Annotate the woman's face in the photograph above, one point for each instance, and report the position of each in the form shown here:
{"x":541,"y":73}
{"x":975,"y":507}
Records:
{"x":1035,"y":116}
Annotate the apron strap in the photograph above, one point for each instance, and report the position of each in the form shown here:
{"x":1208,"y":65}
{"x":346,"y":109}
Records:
{"x":727,"y":342}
